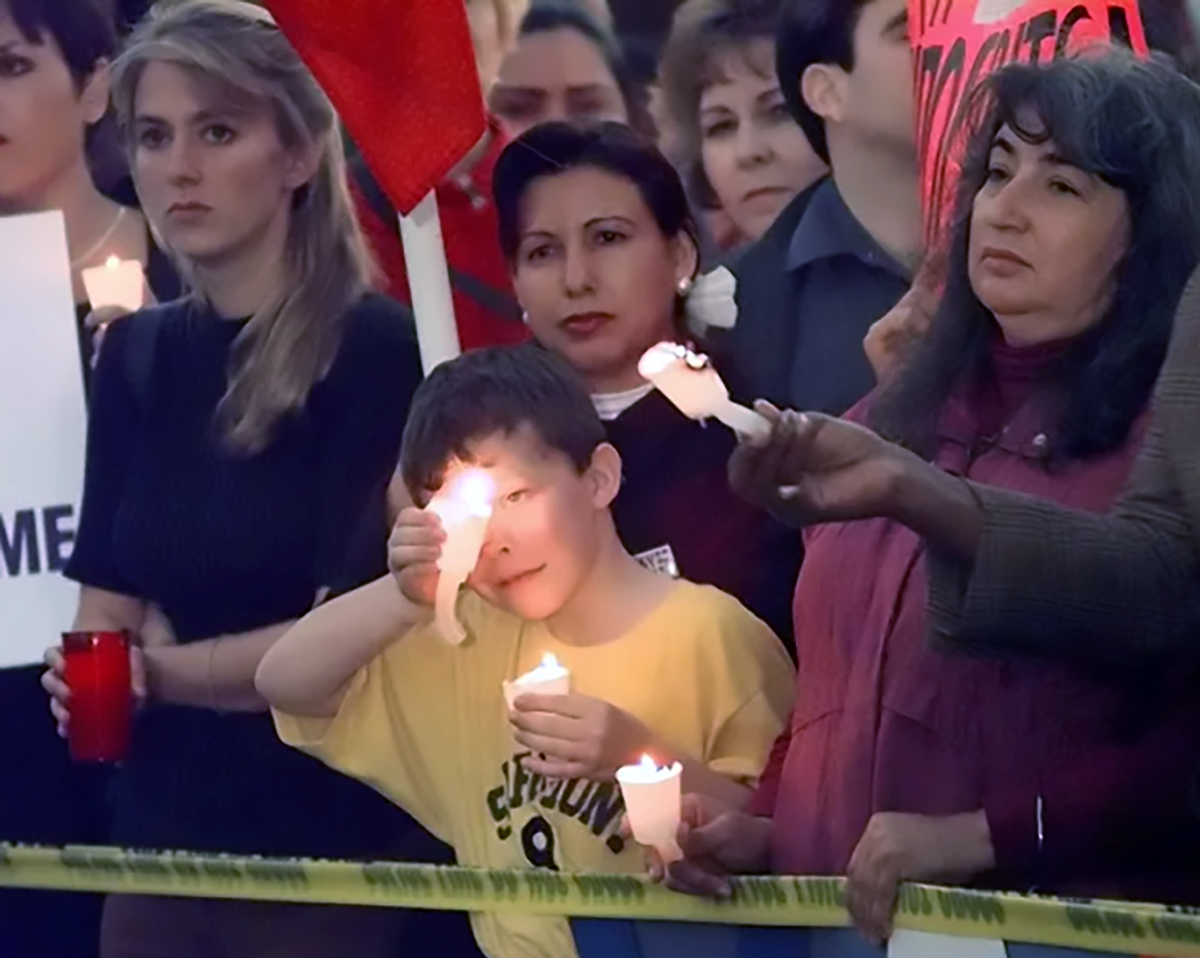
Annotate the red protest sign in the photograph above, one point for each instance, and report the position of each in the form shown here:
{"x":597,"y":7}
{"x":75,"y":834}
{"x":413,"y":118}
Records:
{"x":959,"y":43}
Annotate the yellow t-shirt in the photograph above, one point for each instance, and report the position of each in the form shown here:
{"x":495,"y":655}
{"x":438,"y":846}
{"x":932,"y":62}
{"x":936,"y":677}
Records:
{"x":426,"y":724}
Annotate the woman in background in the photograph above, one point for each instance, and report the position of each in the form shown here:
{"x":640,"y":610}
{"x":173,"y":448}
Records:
{"x":566,"y":66}
{"x":740,"y":149}
{"x":225,"y":480}
{"x":54,"y":116}
{"x":53,"y":101}
{"x":603,"y":250}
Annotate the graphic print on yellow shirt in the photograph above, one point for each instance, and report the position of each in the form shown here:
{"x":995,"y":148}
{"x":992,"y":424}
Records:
{"x":426,"y":724}
{"x":596,"y":806}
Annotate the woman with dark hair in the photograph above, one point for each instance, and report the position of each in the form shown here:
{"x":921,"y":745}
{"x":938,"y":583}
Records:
{"x":596,"y":227}
{"x":1079,"y":225}
{"x":54,"y":125}
{"x":566,"y":66}
{"x":742,"y":151}
{"x":53,"y":106}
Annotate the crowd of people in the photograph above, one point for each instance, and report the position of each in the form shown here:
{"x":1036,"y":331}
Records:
{"x":896,"y":637}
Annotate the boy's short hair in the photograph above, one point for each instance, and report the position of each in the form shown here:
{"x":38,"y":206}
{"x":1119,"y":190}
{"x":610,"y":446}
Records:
{"x":813,"y":31}
{"x":496,"y":390}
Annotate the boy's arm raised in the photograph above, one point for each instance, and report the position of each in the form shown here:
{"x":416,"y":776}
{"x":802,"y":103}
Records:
{"x":308,"y":671}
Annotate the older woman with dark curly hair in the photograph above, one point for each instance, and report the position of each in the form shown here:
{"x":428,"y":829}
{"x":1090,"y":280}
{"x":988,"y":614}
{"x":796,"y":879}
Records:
{"x":1079,"y":226}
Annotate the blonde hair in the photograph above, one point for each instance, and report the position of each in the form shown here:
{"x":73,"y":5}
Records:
{"x":289,"y":344}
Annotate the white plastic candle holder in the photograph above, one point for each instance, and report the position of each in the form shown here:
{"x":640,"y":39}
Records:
{"x":464,"y":506}
{"x":549,"y":678}
{"x":689,"y":380}
{"x":119,"y":282}
{"x":654,"y":802}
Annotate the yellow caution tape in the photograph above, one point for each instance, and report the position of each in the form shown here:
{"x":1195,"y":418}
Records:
{"x":773,"y":900}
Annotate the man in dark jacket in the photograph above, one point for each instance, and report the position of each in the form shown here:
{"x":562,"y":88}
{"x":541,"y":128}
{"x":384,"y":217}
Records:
{"x":841,"y":254}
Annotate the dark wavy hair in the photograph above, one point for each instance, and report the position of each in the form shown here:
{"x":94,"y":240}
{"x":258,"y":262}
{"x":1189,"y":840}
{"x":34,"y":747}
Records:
{"x":1135,"y":124}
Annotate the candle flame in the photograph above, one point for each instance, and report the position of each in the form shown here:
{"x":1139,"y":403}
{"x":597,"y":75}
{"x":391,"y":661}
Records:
{"x":112,"y":262}
{"x":648,"y":764}
{"x":550,"y":662}
{"x":475,"y":490}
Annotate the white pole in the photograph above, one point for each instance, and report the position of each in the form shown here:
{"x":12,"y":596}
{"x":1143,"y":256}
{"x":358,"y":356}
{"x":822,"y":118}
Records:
{"x":429,"y":283}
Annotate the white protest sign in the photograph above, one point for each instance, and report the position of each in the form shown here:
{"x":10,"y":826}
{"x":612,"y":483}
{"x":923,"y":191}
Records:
{"x":43,"y":428}
{"x":920,"y":944}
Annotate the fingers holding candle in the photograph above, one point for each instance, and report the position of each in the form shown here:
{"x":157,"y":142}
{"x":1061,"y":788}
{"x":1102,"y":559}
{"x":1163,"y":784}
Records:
{"x":575,"y":736}
{"x":414,"y":549}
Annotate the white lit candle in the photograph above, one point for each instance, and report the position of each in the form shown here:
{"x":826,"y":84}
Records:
{"x":119,"y":282}
{"x":653,"y":800}
{"x":549,"y":678}
{"x":689,"y":380}
{"x":464,"y":506}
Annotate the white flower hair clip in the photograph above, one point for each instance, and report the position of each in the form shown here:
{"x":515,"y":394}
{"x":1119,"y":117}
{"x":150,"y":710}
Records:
{"x":710,"y":303}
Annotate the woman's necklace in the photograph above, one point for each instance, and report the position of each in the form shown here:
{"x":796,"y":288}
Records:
{"x":99,"y":244}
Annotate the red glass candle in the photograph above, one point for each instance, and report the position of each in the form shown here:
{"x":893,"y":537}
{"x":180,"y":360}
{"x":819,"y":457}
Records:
{"x":101,"y":703}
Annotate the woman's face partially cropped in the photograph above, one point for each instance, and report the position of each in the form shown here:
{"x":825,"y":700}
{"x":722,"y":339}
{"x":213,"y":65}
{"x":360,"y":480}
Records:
{"x":756,"y":158}
{"x":555,"y":75}
{"x":44,"y":115}
{"x":1045,"y":241}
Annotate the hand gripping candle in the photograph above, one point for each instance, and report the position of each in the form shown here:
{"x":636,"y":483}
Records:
{"x":117,"y":283}
{"x":549,"y":678}
{"x":689,"y":380}
{"x":464,"y":506}
{"x":653,"y":800}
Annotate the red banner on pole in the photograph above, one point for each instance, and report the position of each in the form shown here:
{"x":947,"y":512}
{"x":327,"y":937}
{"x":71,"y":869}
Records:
{"x":402,"y":75}
{"x":959,"y":43}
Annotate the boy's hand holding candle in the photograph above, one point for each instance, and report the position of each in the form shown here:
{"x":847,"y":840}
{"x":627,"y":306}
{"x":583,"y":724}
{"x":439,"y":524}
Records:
{"x":413,"y":551}
{"x":576,"y":736}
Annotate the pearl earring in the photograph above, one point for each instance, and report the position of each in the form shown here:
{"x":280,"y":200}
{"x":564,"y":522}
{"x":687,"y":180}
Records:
{"x":684,"y":286}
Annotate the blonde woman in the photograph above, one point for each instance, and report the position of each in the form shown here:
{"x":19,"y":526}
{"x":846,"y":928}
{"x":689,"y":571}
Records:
{"x":237,"y":438}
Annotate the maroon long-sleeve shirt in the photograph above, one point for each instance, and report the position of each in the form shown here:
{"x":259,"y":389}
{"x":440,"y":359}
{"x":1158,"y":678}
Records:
{"x":1086,"y":780}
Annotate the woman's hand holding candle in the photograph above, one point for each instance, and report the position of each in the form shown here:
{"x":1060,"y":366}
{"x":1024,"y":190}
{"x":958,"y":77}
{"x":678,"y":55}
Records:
{"x":54,"y":681}
{"x":716,"y":842}
{"x":575,"y":736}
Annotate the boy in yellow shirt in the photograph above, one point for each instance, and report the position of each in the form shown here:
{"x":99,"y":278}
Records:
{"x":683,"y":672}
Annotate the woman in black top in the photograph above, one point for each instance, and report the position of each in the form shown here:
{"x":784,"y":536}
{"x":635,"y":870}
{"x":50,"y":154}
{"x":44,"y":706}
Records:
{"x":237,"y":438}
{"x":603,"y":249}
